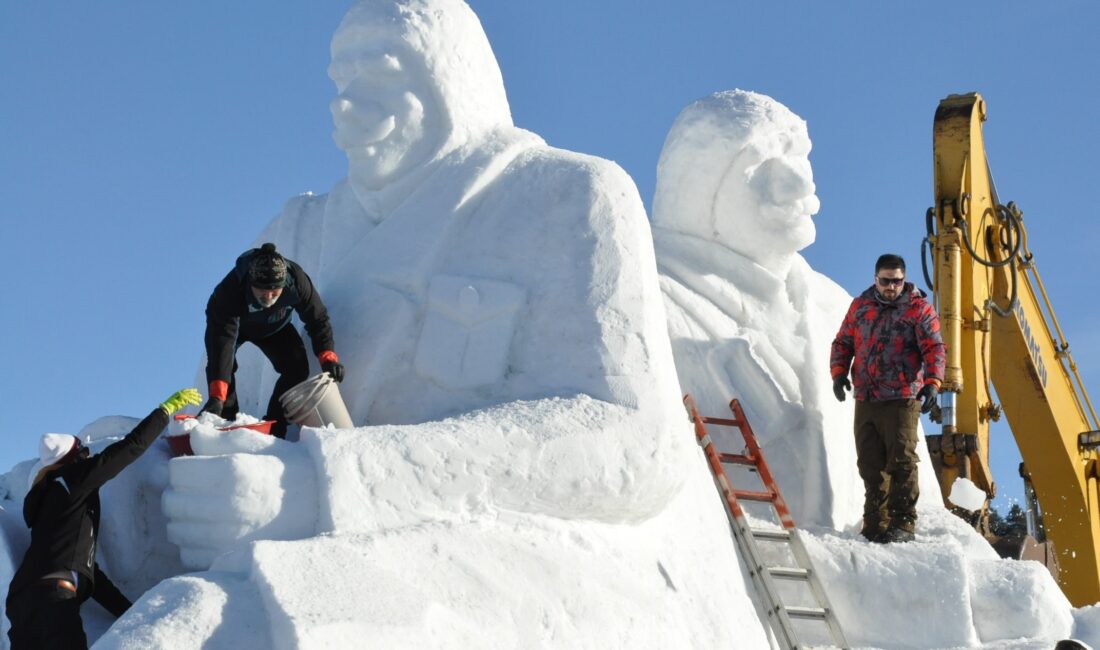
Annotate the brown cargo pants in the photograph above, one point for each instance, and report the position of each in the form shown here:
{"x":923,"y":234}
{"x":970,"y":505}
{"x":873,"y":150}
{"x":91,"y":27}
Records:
{"x":886,"y":454}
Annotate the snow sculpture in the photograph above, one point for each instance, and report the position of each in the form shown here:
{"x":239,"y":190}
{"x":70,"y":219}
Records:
{"x":496,"y":305}
{"x":447,"y":204}
{"x":472,"y":272}
{"x":748,"y":317}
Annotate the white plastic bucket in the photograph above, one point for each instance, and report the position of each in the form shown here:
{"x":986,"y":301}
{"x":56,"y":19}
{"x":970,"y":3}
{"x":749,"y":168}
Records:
{"x":316,"y":402}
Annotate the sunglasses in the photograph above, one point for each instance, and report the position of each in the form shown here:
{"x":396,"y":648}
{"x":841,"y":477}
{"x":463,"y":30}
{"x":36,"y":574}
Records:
{"x":886,"y":282}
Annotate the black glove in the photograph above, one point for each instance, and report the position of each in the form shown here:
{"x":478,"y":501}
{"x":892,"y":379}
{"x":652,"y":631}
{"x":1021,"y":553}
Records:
{"x":928,"y":395}
{"x":213,"y":405}
{"x":334,"y":368}
{"x":840,"y":384}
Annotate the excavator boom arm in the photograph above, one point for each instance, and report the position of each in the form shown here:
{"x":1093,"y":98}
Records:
{"x":998,"y":335}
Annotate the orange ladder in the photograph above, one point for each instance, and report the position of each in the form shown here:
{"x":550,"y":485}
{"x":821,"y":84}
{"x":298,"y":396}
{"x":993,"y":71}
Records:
{"x":781,"y":617}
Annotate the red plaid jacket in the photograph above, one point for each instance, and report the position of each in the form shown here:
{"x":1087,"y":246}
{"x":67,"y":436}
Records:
{"x":887,"y":343}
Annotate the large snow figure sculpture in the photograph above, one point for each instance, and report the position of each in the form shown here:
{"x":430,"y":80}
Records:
{"x":499,"y":315}
{"x":441,"y":254}
{"x":467,"y":265}
{"x":748,"y":317}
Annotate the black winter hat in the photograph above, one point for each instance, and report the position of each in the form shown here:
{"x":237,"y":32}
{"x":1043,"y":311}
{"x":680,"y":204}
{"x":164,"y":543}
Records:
{"x":267,"y":269}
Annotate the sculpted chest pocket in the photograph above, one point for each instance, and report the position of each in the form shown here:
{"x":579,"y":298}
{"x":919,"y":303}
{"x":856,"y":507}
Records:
{"x":467,"y":331}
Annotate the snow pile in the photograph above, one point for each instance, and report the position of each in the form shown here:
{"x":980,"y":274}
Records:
{"x":523,"y":474}
{"x":947,"y":589}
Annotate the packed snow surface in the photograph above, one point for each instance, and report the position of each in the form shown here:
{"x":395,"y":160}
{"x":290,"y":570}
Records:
{"x":517,"y":338}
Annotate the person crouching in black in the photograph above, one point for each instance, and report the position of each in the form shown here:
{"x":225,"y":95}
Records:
{"x":253,"y":303}
{"x":59,"y":571}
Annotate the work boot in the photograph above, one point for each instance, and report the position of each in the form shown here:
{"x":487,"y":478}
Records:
{"x":896,"y":535}
{"x":872,"y":532}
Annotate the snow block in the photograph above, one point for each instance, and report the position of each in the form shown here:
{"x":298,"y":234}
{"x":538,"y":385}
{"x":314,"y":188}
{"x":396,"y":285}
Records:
{"x":516,"y":583}
{"x":216,"y":610}
{"x":1013,"y":599}
{"x":1086,"y":624}
{"x":898,"y":596}
{"x":575,"y":458}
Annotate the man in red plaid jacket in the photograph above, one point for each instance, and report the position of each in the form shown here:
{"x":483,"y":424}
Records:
{"x":891,"y":341}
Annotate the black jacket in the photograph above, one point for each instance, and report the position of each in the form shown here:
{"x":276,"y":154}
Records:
{"x":62,"y":511}
{"x":233,"y":315}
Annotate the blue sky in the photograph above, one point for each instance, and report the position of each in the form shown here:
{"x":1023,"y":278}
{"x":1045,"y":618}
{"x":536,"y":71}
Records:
{"x":144,"y":145}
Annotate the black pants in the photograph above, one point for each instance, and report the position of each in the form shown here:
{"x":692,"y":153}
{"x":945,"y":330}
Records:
{"x":45,"y":616}
{"x":886,"y":453}
{"x":287,"y":354}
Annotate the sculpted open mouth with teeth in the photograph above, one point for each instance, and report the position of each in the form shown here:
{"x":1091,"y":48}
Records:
{"x":381,"y":121}
{"x":366,"y":111}
{"x":360,"y":127}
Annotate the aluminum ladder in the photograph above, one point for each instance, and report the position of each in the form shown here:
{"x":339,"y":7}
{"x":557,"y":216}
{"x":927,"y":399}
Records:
{"x":765,"y":577}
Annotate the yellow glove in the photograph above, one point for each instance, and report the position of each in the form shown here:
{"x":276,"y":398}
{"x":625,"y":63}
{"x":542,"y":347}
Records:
{"x":180,"y":399}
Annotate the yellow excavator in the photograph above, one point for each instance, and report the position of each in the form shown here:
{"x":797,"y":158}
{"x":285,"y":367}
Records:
{"x":1001,"y":334}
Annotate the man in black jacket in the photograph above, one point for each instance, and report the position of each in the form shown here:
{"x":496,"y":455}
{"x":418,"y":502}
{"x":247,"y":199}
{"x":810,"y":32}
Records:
{"x":253,"y":303}
{"x":59,"y":571}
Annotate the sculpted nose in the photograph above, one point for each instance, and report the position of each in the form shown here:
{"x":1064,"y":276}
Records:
{"x":781,"y":181}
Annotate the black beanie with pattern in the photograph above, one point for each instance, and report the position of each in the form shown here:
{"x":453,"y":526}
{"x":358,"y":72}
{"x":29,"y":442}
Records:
{"x":268,"y":269}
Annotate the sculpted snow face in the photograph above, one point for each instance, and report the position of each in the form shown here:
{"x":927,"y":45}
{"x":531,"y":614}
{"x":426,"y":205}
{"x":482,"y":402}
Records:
{"x":383,"y":132}
{"x":735,"y":169}
{"x":403,"y":99}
